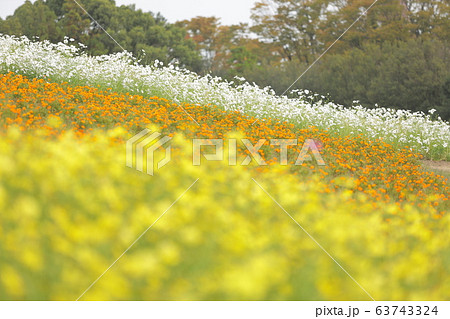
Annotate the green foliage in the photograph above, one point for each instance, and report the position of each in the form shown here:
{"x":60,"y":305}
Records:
{"x":408,"y":75}
{"x":396,"y":55}
{"x":70,"y":207}
{"x":412,"y":75}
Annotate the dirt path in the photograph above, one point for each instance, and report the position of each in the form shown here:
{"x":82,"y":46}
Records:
{"x":440,"y":167}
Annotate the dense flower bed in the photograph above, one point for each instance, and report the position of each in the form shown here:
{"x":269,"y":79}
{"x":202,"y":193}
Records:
{"x":69,"y":207}
{"x":379,"y":169}
{"x":64,"y":63}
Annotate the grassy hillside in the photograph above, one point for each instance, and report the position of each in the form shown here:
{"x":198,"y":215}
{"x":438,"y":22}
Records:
{"x":122,"y":73}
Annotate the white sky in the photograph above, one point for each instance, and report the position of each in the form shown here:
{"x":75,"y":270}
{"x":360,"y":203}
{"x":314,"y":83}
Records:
{"x":230,"y":11}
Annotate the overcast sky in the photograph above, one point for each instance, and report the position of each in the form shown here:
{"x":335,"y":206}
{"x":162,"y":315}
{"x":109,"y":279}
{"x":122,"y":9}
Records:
{"x":230,"y":11}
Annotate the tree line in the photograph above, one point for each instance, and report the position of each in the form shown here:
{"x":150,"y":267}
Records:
{"x":148,"y":36}
{"x":396,"y":54}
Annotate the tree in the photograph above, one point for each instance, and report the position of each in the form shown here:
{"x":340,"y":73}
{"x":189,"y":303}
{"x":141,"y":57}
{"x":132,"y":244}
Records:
{"x":33,"y":19}
{"x":204,"y":31}
{"x":56,"y":6}
{"x":431,"y":18}
{"x":226,"y":50}
{"x":291,"y":25}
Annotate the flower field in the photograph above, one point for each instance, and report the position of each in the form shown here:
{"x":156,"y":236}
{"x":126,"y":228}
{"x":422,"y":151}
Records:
{"x":122,"y":73}
{"x":380,"y":170}
{"x":70,"y":207}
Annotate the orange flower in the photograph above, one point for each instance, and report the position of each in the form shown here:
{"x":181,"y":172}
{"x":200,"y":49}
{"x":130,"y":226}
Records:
{"x":380,"y":170}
